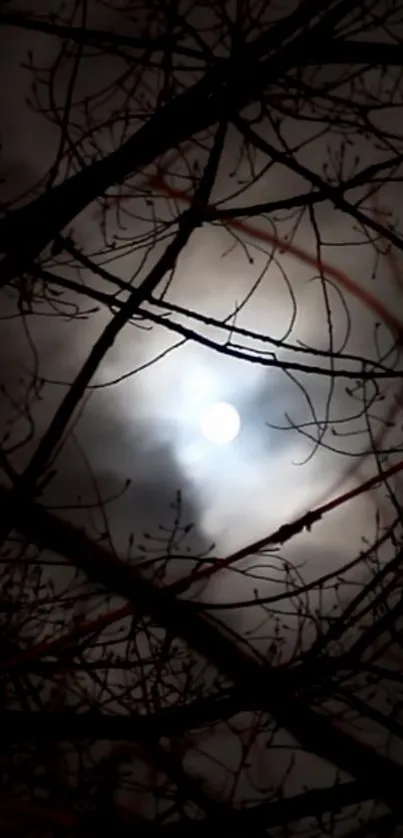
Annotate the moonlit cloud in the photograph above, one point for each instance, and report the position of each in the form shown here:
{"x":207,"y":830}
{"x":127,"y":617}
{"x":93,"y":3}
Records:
{"x":267,"y":475}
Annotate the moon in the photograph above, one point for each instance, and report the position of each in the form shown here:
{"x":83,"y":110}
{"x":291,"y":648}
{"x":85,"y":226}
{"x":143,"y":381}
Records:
{"x":220,"y":423}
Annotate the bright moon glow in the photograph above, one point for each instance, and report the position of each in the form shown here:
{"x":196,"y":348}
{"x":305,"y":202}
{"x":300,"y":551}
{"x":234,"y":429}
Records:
{"x":220,"y":423}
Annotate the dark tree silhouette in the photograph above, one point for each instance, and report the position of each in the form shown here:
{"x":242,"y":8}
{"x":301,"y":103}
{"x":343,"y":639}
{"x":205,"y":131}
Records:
{"x":150,"y":685}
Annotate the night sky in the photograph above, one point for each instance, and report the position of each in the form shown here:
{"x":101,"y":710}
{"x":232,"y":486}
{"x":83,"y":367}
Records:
{"x":136,"y":437}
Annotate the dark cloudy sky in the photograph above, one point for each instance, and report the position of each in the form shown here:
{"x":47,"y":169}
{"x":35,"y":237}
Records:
{"x":146,"y":427}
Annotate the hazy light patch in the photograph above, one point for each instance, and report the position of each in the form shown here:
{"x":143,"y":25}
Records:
{"x":220,"y":423}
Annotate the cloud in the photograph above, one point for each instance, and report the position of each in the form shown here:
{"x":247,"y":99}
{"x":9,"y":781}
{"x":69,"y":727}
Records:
{"x":146,"y":427}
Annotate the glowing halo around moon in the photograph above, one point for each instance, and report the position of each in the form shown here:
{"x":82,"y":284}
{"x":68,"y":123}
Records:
{"x":220,"y":423}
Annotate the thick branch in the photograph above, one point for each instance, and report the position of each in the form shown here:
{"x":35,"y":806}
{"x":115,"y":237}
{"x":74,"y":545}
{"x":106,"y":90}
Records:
{"x":219,"y":92}
{"x":340,"y":51}
{"x":26,"y":484}
{"x":334,"y":194}
{"x":96,"y":37}
{"x":261,"y":817}
{"x":19,"y":726}
{"x":306,"y":199}
{"x":27,"y":726}
{"x":383,"y":777}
